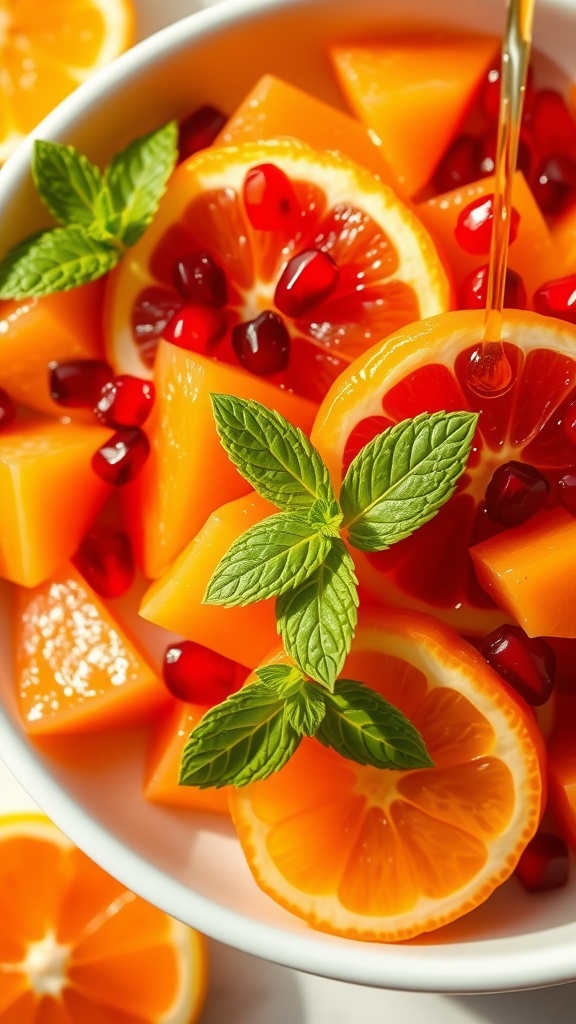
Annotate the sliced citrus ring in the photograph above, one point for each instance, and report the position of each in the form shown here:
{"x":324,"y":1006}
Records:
{"x":386,"y":855}
{"x":424,"y":368}
{"x":389,"y":272}
{"x":75,"y":945}
{"x":46,"y":50}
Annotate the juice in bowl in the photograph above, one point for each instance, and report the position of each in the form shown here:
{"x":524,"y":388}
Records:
{"x":90,"y":781}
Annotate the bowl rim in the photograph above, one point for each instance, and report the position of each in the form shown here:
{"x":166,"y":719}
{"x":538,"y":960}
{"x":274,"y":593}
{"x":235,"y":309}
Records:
{"x":474,"y":966}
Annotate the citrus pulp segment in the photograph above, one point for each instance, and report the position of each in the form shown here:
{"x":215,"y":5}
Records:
{"x":385,"y":855}
{"x":46,"y":51}
{"x":75,"y":945}
{"x":389,"y":270}
{"x":423,"y":368}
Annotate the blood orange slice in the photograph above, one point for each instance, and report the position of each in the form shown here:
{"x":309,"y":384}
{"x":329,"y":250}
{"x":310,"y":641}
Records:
{"x":424,"y":368}
{"x":388,"y":272}
{"x":385,"y":855}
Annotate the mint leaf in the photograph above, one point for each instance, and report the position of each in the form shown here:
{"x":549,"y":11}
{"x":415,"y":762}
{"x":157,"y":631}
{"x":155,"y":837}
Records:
{"x":137,"y":178}
{"x":305,"y":709}
{"x":317,"y":619}
{"x":54,"y":261}
{"x":285,"y":680}
{"x":244,"y":739}
{"x":68,"y":184}
{"x":274,"y":456}
{"x":273,"y":556}
{"x":365,"y":728}
{"x":400,"y":479}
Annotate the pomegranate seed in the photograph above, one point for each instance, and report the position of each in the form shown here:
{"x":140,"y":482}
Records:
{"x":106,"y":562}
{"x":474,"y":225}
{"x":199,"y":279}
{"x":460,"y":164}
{"x":554,"y":184}
{"x":120,"y":460}
{"x":551,"y":124}
{"x":270,"y":200}
{"x":488,"y":145}
{"x":306,"y":280}
{"x":515,"y":493}
{"x":472,"y":293}
{"x":125,"y":401}
{"x":196,"y":328}
{"x":151,"y":312}
{"x":489,"y":97}
{"x":557,"y":298}
{"x":77,"y":384}
{"x":198,"y":675}
{"x":199,"y":130}
{"x":544,"y":863}
{"x":262,"y":346}
{"x":567,"y":490}
{"x":7,"y":409}
{"x":524,"y":662}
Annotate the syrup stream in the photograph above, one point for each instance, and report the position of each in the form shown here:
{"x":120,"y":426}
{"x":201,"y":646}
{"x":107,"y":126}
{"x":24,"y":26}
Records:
{"x":489,"y":373}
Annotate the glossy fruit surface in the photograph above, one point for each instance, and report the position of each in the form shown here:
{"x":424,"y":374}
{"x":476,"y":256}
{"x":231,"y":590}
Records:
{"x":285,"y":199}
{"x":426,"y":370}
{"x":81,"y":947}
{"x":386,"y":855}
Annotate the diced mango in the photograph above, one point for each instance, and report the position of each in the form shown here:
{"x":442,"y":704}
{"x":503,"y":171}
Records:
{"x":35,"y":332}
{"x":529,"y":572}
{"x":274,"y":108}
{"x":49,"y":494}
{"x":188,"y":474}
{"x":533,"y":254}
{"x":244,"y":634}
{"x":76,"y":668}
{"x":412,"y":92}
{"x":163,"y":763}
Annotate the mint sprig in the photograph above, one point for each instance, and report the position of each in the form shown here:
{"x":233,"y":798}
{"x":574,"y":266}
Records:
{"x":100,"y":213}
{"x":255,"y":731}
{"x":301,"y":557}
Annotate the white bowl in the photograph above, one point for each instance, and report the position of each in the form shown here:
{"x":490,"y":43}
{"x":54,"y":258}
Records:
{"x":187,"y":864}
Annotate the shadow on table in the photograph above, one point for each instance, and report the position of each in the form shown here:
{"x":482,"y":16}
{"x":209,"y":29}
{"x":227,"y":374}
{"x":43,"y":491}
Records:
{"x":246,"y":990}
{"x":555,"y":1005}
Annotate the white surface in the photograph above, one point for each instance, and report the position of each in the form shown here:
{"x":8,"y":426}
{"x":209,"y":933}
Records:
{"x":197,"y":872}
{"x":246,"y":990}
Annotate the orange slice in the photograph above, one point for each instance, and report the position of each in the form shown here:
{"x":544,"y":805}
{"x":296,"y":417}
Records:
{"x":46,"y":50}
{"x":413,"y":92}
{"x":75,"y":667}
{"x":424,"y":368}
{"x":386,"y":855}
{"x":75,"y":945}
{"x":389,"y":270}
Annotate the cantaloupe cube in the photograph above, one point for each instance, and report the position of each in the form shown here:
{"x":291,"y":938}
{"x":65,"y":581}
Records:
{"x":274,"y":108}
{"x":529,"y":572}
{"x":76,"y":668}
{"x":49,"y":494}
{"x":412,"y":92}
{"x":163,"y":763}
{"x":533,"y":254}
{"x":34,"y":332}
{"x":188,"y":474}
{"x":243,"y":634}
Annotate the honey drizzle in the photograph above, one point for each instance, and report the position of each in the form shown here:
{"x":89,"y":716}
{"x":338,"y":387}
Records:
{"x":489,"y":372}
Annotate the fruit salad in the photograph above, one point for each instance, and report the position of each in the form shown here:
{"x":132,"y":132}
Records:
{"x":236,"y":405}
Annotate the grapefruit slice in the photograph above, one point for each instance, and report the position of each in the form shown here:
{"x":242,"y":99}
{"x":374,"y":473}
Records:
{"x":389,"y":272}
{"x":78,"y":946}
{"x":424,"y":369}
{"x":385,"y":855}
{"x":413,"y":92}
